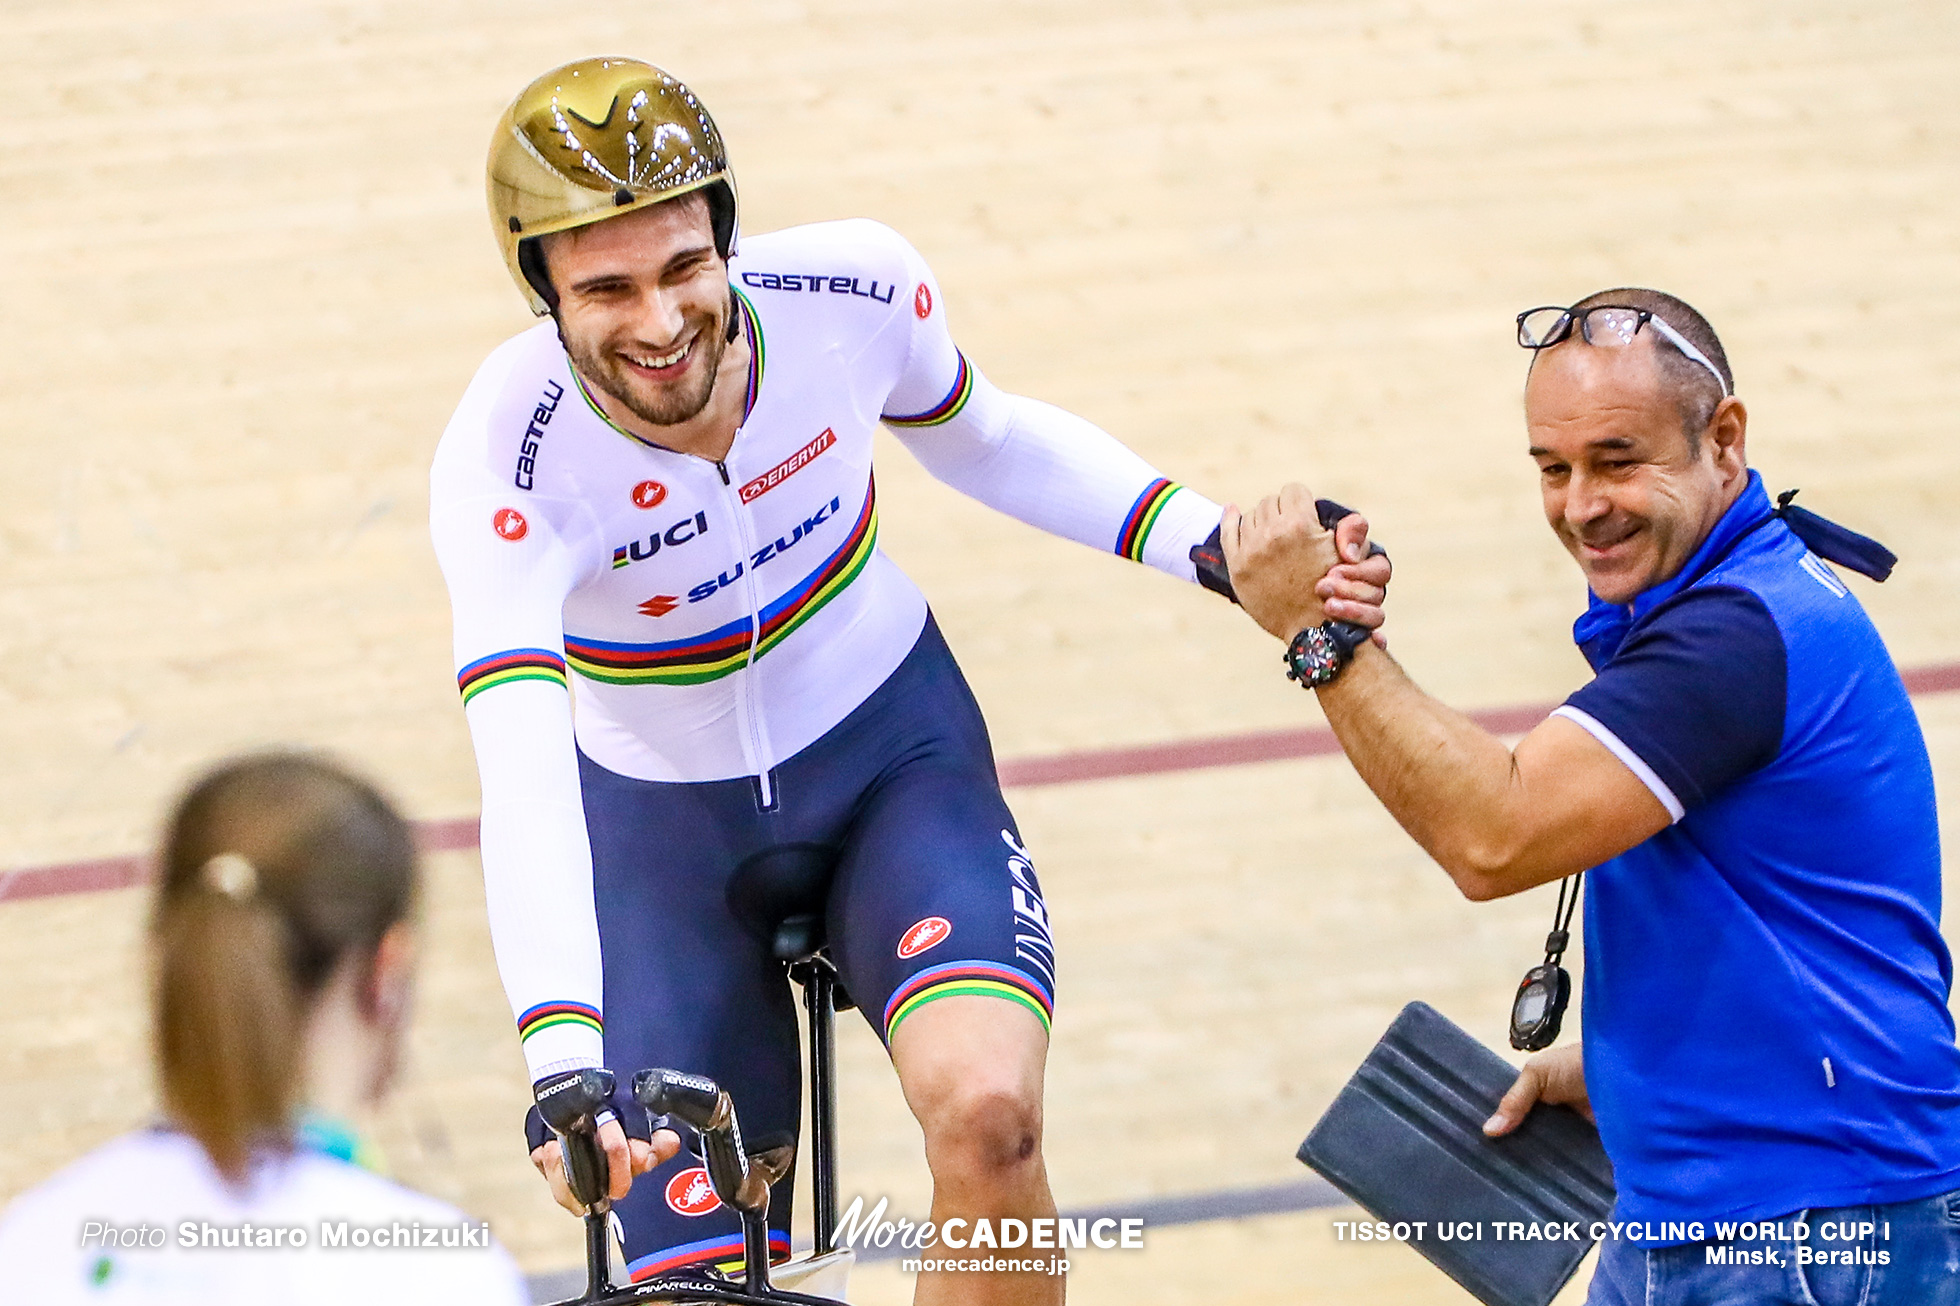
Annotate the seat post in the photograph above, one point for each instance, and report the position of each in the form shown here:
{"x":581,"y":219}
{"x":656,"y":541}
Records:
{"x":819,"y":998}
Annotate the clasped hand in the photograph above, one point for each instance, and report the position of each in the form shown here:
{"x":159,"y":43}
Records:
{"x":1291,"y":573}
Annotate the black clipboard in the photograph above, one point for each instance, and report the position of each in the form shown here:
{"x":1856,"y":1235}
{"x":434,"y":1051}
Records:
{"x":1405,"y":1140}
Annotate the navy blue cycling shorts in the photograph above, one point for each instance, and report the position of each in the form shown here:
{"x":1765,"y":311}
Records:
{"x":933,"y":896}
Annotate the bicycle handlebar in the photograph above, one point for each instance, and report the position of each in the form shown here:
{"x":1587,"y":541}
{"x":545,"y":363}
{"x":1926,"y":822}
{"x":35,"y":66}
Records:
{"x":698,"y":1101}
{"x":694,"y":1099}
{"x":572,"y":1106}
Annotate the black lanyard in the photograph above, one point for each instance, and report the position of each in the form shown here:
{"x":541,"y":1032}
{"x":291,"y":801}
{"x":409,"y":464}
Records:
{"x":1539,"y":1008}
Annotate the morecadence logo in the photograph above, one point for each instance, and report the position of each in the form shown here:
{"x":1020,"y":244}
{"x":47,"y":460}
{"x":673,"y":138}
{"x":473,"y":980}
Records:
{"x":863,"y":1230}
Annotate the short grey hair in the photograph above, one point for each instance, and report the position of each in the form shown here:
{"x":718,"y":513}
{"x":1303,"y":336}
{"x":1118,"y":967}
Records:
{"x":1695,"y":391}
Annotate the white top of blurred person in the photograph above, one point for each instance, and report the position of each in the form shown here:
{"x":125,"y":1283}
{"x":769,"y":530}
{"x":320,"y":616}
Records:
{"x":282,"y":951}
{"x":157,"y":1190}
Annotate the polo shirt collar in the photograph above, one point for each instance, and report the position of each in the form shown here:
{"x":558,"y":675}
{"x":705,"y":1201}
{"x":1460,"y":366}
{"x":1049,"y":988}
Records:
{"x":1604,"y":626}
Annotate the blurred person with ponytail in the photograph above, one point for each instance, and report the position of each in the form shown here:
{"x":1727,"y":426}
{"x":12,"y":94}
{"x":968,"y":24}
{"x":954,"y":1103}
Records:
{"x":282,"y":956}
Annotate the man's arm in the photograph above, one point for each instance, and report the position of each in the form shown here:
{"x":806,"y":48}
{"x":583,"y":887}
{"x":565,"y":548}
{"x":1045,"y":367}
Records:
{"x":1028,"y":459}
{"x":508,"y":571}
{"x":1500,"y":820}
{"x":1047,"y":467}
{"x":1062,"y":474}
{"x":508,"y":578}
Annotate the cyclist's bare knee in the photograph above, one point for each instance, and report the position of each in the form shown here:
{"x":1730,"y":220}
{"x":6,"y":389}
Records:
{"x":971,"y":1068}
{"x":984,"y":1138}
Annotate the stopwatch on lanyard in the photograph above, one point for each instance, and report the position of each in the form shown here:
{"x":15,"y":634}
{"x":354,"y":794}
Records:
{"x":1539,"y":1009}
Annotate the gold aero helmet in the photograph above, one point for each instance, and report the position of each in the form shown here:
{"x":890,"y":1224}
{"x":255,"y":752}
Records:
{"x":592,"y":140}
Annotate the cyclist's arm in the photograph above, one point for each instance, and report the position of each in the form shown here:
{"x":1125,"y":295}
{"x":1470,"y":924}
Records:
{"x":507,"y":598}
{"x":1031,"y":460}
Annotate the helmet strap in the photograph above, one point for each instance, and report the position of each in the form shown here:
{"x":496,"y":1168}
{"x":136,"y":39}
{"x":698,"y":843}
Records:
{"x":721,"y":215}
{"x":530,"y":261}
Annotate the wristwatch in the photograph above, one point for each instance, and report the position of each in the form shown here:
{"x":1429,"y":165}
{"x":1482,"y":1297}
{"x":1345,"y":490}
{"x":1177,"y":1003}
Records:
{"x":1318,"y":653}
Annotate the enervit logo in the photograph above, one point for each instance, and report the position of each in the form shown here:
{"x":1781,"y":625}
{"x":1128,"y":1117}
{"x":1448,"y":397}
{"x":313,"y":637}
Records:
{"x":690,"y":1193}
{"x":510,"y":524}
{"x":922,"y":300}
{"x":928,"y":933}
{"x":788,"y":467}
{"x":660,"y":605}
{"x":649,"y":494}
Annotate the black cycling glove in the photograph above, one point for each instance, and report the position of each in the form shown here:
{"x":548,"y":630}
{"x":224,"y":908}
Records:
{"x":1209,"y":557}
{"x":576,"y":1096}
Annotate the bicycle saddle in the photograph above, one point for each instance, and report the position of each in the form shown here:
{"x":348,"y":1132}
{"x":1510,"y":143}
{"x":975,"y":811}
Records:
{"x":779,"y":895}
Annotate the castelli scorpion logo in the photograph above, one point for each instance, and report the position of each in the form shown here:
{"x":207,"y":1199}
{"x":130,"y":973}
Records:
{"x":928,"y":933}
{"x":690,"y":1193}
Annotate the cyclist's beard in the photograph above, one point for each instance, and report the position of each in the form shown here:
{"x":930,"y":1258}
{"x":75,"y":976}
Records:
{"x":667,"y":404}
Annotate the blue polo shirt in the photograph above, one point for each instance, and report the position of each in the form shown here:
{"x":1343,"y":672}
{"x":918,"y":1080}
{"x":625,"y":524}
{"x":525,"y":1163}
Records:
{"x":1766,"y":1023}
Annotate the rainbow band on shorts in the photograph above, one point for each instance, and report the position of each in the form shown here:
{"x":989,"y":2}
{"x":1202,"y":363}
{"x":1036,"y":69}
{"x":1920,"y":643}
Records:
{"x":724,"y":1252}
{"x":510,"y":665}
{"x":986,"y":979}
{"x":549,"y":1015}
{"x":1142,"y":516}
{"x":946,"y":409}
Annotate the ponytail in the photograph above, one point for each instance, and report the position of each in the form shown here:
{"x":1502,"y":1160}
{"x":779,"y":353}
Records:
{"x":228,"y":1024}
{"x":275,"y":870}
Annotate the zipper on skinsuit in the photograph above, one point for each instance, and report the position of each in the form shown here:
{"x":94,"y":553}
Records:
{"x":747,"y":704}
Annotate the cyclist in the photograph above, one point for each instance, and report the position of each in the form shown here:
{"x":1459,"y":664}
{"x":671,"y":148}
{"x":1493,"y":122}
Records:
{"x":657,"y":507}
{"x":282,"y":954}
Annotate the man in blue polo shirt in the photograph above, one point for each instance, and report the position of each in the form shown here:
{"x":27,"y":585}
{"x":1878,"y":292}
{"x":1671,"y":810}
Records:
{"x":1766,"y":1027}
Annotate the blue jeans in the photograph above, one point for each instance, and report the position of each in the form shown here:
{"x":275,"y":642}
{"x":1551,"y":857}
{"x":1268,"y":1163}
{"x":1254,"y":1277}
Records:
{"x":1837,"y":1264}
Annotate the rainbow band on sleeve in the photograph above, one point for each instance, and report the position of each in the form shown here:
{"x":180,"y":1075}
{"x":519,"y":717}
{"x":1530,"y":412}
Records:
{"x":988,"y":979}
{"x":547,"y":1015}
{"x":726,"y":648}
{"x":511,"y":664}
{"x":1142,"y":516}
{"x":946,"y":409}
{"x":723,"y":1252}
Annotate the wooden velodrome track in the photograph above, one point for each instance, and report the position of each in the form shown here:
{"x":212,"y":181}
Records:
{"x":247,"y":274}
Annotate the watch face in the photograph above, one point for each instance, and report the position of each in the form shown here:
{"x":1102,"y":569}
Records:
{"x":1313,"y":658}
{"x":1539,"y":1008}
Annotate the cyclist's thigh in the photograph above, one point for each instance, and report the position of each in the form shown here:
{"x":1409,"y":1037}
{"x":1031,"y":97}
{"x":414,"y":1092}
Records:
{"x":935,"y":894}
{"x":687,"y":987}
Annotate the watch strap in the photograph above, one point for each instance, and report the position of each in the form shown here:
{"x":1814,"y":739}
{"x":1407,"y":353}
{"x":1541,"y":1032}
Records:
{"x":1348,"y":636}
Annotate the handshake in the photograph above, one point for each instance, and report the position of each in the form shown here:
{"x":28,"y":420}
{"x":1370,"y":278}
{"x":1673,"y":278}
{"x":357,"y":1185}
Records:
{"x":1305,"y":570}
